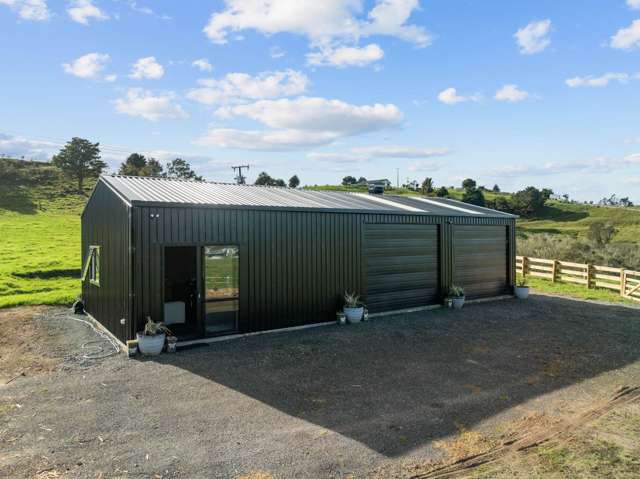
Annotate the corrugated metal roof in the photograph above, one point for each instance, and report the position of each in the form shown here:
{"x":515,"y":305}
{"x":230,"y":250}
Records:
{"x":145,"y":190}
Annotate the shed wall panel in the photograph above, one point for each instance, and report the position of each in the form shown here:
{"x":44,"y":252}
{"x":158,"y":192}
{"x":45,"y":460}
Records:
{"x":106,"y":223}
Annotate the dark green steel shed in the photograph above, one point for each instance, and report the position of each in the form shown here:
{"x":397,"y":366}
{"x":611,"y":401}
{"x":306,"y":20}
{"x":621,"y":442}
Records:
{"x":213,"y":259}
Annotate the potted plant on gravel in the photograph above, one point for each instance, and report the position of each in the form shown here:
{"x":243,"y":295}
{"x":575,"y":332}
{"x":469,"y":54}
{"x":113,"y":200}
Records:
{"x":353,"y":309}
{"x":522,"y":289}
{"x":456,"y":293}
{"x":151,"y":339}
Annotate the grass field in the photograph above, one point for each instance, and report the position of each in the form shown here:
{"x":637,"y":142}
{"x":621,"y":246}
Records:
{"x":40,"y":246}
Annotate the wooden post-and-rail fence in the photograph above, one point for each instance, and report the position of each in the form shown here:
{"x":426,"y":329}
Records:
{"x":624,"y":281}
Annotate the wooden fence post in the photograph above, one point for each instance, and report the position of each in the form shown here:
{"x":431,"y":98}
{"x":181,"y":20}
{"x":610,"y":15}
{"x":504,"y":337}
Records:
{"x":623,"y":282}
{"x":524,"y":266}
{"x":554,"y":271}
{"x":589,"y":275}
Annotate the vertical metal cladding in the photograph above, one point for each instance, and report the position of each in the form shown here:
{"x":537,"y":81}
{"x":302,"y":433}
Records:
{"x":106,"y":223}
{"x":294,"y":264}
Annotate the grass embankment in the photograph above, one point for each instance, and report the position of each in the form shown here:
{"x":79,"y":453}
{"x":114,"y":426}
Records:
{"x":576,"y":291}
{"x":40,"y":236}
{"x":574,"y":219}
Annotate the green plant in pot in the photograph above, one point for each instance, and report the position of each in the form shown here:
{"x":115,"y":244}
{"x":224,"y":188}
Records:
{"x":522,"y":289}
{"x":456,"y":293}
{"x":151,"y":339}
{"x":353,"y":308}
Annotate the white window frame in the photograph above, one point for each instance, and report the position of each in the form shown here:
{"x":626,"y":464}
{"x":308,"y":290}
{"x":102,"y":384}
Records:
{"x":92,"y":266}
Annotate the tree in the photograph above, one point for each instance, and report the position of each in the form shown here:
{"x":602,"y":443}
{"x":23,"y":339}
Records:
{"x":154,"y":168}
{"x":294,"y":181}
{"x":496,"y":188}
{"x":528,"y":202}
{"x":362,"y":180}
{"x":264,"y":179}
{"x":180,"y":169}
{"x":133,"y":165}
{"x":442,"y":192}
{"x":80,"y":159}
{"x":546,"y":193}
{"x":473,"y":197}
{"x":427,"y":186}
{"x":469,"y":184}
{"x":349,"y":180}
{"x":502,"y":204}
{"x":601,"y":233}
{"x":137,"y":165}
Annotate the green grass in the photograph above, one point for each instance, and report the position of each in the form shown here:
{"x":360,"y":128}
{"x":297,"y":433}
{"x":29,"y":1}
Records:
{"x":576,"y":291}
{"x":40,"y":246}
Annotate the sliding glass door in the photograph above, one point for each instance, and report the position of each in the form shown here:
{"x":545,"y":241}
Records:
{"x":221,"y":289}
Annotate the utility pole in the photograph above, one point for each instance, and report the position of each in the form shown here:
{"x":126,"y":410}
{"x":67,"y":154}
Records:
{"x":397,"y":177}
{"x":240,"y":178}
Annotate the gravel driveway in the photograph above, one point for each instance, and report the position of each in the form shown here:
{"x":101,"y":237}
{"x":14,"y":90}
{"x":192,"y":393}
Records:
{"x":323,"y":402}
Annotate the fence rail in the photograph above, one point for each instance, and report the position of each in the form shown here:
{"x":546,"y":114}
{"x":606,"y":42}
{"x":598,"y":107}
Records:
{"x":624,"y":281}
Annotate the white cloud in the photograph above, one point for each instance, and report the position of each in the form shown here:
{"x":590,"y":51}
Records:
{"x":633,"y":4}
{"x":111,"y":78}
{"x":202,"y":64}
{"x":367,"y":153}
{"x":320,"y":21}
{"x":534,"y":37}
{"x":34,"y":10}
{"x":87,"y":66}
{"x":300,"y":123}
{"x":147,"y":67}
{"x":276,"y":52}
{"x":511,"y":93}
{"x":627,"y":38}
{"x":318,"y":114}
{"x":600,"y":81}
{"x":264,"y":140}
{"x":82,"y":10}
{"x":424,"y":166}
{"x":17,"y":146}
{"x":400,"y":152}
{"x":346,"y":56}
{"x":241,"y":86}
{"x":450,"y":97}
{"x":145,"y":104}
{"x":594,"y":165}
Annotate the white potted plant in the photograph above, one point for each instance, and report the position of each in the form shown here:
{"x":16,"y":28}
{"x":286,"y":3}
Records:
{"x":456,"y":293}
{"x":353,"y":309}
{"x":151,"y":339}
{"x":522,"y":289}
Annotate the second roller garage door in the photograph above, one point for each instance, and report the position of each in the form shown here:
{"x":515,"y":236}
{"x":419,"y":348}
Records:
{"x":401,"y":266}
{"x":480,"y":259}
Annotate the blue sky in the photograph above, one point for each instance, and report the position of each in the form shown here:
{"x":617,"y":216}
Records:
{"x":540,"y":92}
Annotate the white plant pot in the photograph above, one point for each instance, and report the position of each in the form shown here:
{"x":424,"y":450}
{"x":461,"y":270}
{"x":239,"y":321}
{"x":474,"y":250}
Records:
{"x":354,"y":315}
{"x":457,"y":302}
{"x":150,"y":345}
{"x":522,"y":292}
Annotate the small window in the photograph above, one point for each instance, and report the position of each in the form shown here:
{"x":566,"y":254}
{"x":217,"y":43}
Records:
{"x":92,"y":266}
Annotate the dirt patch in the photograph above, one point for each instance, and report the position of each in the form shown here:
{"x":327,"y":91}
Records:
{"x":471,"y":451}
{"x":24,"y":344}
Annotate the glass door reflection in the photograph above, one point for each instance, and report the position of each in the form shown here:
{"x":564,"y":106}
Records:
{"x":221,"y":289}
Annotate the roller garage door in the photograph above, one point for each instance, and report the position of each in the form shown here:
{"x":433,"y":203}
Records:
{"x":480,"y":259}
{"x":401,"y":266}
